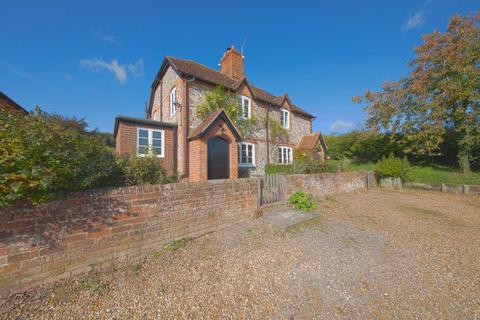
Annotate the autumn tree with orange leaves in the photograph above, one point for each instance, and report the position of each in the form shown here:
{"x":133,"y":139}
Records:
{"x":439,"y":99}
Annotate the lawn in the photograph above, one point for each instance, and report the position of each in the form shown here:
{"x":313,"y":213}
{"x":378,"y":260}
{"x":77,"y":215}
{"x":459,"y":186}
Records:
{"x":425,"y":174}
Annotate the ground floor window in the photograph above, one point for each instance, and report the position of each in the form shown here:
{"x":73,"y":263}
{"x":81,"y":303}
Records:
{"x":285,"y":155}
{"x":246,"y":154}
{"x":149,"y":140}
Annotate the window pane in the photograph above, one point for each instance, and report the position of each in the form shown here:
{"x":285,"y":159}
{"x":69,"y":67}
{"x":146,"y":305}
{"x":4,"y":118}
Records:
{"x":143,"y":133}
{"x":156,"y":142}
{"x":143,"y":141}
{"x":142,"y":150}
{"x":157,"y":150}
{"x":156,"y":134}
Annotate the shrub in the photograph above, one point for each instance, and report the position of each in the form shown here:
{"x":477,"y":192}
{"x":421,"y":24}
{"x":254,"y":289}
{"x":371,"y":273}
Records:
{"x":142,"y":170}
{"x":42,"y":155}
{"x":278,"y":168}
{"x":306,"y":162}
{"x":302,"y":201}
{"x":394,"y":167}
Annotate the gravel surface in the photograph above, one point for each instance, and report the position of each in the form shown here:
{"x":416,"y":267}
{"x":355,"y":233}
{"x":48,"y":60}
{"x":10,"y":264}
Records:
{"x":375,"y":254}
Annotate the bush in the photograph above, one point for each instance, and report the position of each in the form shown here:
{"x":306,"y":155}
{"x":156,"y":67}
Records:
{"x":278,"y":168}
{"x":302,"y":201}
{"x":394,"y":167}
{"x":143,"y":170}
{"x":306,"y":162}
{"x":42,"y":155}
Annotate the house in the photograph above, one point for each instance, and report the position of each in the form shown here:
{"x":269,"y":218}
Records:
{"x":6,"y":103}
{"x":213,"y":148}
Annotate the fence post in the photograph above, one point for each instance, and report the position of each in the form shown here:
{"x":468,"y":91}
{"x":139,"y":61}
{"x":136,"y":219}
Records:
{"x":444,"y":187}
{"x":466,"y":188}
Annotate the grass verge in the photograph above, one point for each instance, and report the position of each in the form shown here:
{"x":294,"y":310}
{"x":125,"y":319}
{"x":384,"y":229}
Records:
{"x":423,"y":174}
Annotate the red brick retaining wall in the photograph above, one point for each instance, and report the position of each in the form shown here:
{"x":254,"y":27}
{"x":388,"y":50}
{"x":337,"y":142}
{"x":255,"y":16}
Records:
{"x":102,"y":228}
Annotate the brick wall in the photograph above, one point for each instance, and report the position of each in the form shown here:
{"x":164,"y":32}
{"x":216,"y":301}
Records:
{"x":198,"y":163}
{"x":126,"y":142}
{"x":323,"y":184}
{"x":103,"y":228}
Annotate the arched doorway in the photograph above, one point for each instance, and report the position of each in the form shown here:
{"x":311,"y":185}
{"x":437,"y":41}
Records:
{"x":218,"y":159}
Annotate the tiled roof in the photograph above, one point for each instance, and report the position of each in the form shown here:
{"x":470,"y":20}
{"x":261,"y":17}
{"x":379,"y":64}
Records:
{"x":204,"y":73}
{"x":309,"y":141}
{"x":7,"y":103}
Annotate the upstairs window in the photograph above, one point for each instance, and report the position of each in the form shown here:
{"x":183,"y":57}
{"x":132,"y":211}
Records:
{"x":246,"y":154}
{"x":285,"y":118}
{"x":284,"y":155}
{"x":149,"y":140}
{"x":244,"y":103}
{"x":173,"y":101}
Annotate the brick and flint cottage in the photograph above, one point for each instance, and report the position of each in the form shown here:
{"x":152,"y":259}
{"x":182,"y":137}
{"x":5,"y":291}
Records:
{"x":213,"y":148}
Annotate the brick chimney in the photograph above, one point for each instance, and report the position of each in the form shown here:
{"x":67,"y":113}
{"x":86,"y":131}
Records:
{"x":231,"y":64}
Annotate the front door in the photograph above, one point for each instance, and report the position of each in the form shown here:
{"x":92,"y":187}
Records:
{"x":218,"y":167}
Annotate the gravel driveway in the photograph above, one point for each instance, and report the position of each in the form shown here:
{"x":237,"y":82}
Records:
{"x":371,"y":255}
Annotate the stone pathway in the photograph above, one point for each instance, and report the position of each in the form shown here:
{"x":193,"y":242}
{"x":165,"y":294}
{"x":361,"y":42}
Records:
{"x":286,"y":218}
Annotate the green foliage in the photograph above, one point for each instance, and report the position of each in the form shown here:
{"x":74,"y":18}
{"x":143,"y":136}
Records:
{"x":276,"y":130}
{"x":394,"y":167}
{"x":304,"y":163}
{"x":143,"y":170}
{"x":440,"y":96}
{"x":362,"y":145}
{"x":278,"y":168}
{"x":219,"y":99}
{"x":42,"y":155}
{"x":302,"y":201}
{"x":307,"y":162}
{"x":108,"y":139}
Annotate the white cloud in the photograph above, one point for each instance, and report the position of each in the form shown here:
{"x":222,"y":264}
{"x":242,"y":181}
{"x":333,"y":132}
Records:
{"x":340,"y":125}
{"x":106,"y":37}
{"x":120,"y":71}
{"x":67,"y":76}
{"x":415,"y":21}
{"x":418,"y":18}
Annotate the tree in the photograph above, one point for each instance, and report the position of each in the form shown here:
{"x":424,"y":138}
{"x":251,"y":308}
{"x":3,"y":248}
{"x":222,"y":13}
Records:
{"x":219,"y":99}
{"x":439,"y":99}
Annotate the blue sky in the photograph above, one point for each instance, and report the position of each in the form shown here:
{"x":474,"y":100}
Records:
{"x":97,"y":59}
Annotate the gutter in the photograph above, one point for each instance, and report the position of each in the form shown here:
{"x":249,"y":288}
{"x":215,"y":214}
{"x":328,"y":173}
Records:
{"x":186,"y":126}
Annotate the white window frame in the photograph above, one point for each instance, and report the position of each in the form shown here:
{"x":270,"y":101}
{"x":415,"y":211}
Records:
{"x":242,"y":101}
{"x":150,"y":141}
{"x":246,"y":164}
{"x":173,"y":101}
{"x":288,"y":153}
{"x":286,"y":118}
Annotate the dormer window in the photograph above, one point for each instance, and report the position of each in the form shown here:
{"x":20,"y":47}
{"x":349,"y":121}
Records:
{"x":245,"y":107}
{"x":173,"y":101}
{"x":285,"y":118}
